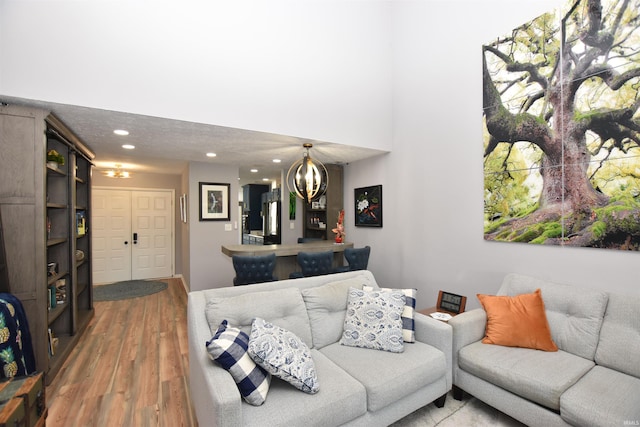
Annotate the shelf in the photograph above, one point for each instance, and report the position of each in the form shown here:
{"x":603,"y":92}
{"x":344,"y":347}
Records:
{"x":55,"y":312}
{"x":56,"y":206}
{"x":52,"y":279}
{"x":82,"y":287}
{"x":55,"y":172}
{"x":51,"y":235}
{"x":56,"y":241}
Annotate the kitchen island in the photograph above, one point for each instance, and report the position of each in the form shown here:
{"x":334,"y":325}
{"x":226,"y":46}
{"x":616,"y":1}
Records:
{"x":286,"y":254}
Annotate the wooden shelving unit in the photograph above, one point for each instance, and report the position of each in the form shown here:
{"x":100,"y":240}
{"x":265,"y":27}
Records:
{"x":40,"y":203}
{"x":328,"y":215}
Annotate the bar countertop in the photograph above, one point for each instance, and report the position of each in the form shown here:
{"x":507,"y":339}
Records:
{"x":291,"y":249}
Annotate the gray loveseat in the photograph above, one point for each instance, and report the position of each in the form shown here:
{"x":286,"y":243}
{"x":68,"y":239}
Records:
{"x":592,"y":380}
{"x":358,"y":387}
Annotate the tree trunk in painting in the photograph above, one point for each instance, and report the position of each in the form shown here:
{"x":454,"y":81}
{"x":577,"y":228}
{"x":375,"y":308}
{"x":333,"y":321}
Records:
{"x":561,"y":100}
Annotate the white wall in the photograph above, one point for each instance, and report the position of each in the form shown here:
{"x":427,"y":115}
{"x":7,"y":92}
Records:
{"x":208,"y":267}
{"x":314,"y":69}
{"x":333,"y":70}
{"x":433,"y":180}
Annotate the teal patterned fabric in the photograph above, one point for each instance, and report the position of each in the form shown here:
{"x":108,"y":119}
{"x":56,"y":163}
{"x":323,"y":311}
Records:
{"x":283,"y":355}
{"x":374,"y":320}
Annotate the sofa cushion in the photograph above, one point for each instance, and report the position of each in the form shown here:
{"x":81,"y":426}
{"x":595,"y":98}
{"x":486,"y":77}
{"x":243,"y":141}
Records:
{"x":341,"y":399}
{"x":228,"y":348}
{"x":283,"y":307}
{"x":283,"y":355}
{"x":603,"y":397}
{"x":374,"y":320}
{"x":389,"y":377}
{"x":535,"y":375}
{"x":408,"y":313}
{"x":517,"y":321}
{"x":574,"y":314}
{"x":326,"y":307}
{"x":619,"y":346}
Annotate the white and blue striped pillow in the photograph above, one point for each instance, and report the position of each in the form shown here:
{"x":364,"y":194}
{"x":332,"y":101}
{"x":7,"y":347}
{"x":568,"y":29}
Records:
{"x":228,"y":347}
{"x":408,"y":322}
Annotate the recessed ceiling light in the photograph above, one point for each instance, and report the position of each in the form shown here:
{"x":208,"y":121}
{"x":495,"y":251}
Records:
{"x":254,"y":170}
{"x":276,"y":160}
{"x":266,"y":179}
{"x":211,"y":154}
{"x":128,"y":146}
{"x":121,"y":132}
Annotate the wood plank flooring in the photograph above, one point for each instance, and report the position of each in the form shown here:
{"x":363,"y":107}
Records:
{"x":130,"y":367}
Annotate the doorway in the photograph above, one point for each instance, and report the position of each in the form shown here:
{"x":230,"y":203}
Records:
{"x":132,"y":234}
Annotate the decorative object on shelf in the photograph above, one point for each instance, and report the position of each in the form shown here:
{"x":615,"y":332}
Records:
{"x":214,"y":202}
{"x":52,"y":268}
{"x":339,"y":230}
{"x":81,"y":223}
{"x":368,"y":206}
{"x":79,"y":255}
{"x":54,"y":159}
{"x":309,"y":178}
{"x":118,"y":172}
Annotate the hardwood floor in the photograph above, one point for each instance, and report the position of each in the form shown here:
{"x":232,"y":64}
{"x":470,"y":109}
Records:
{"x":130,"y":368}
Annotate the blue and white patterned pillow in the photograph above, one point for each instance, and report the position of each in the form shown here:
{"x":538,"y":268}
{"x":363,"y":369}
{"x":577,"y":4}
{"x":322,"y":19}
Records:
{"x":408,"y":314}
{"x":283,"y":355}
{"x":228,"y":347}
{"x":374,"y":320}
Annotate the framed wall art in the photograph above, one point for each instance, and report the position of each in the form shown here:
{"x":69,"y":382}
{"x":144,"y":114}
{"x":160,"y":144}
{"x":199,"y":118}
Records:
{"x":214,"y":202}
{"x":368,"y":206}
{"x":183,"y":208}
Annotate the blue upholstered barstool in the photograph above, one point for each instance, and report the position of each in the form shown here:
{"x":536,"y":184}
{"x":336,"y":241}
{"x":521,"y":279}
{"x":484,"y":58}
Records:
{"x":253,"y":269}
{"x":313,"y":264}
{"x":358,"y":259}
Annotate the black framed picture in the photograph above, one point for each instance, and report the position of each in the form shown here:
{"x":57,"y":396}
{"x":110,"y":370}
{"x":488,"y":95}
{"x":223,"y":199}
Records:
{"x":214,"y":202}
{"x":368,"y":206}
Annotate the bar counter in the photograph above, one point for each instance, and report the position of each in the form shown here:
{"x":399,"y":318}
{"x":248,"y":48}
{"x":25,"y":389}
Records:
{"x":286,"y":261}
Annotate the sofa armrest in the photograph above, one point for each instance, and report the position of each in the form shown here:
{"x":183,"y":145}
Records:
{"x":468,"y":327}
{"x":214,"y":393}
{"x":437,"y":334}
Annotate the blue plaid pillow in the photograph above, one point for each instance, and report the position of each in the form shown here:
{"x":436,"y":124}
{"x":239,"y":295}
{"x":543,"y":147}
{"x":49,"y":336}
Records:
{"x":228,"y":347}
{"x":408,"y":314}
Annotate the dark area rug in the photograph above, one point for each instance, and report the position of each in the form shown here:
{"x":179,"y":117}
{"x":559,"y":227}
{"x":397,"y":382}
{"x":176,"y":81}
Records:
{"x":127,"y":289}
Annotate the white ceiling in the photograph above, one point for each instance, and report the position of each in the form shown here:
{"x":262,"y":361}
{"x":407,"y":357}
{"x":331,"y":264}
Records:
{"x":166,"y":146}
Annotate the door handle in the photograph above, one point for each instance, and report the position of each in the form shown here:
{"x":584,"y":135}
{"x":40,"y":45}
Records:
{"x":135,"y":238}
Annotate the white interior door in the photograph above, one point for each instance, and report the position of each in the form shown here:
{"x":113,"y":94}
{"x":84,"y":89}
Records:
{"x":132,"y":234}
{"x":152,"y":230}
{"x":111,"y":233}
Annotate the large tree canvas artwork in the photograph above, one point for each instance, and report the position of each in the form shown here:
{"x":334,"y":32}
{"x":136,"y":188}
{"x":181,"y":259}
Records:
{"x":562,"y":128}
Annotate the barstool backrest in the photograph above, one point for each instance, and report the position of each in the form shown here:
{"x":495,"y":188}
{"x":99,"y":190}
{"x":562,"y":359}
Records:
{"x":254,"y":268}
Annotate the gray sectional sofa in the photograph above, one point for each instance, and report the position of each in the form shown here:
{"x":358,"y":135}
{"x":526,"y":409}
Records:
{"x":592,"y":380}
{"x":358,"y":387}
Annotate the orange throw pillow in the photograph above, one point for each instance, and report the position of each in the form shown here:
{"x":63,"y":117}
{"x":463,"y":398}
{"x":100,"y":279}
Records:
{"x":518,"y":321}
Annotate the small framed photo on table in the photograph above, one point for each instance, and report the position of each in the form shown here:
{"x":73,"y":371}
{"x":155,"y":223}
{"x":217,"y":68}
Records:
{"x":451,"y":303}
{"x":214,"y":202}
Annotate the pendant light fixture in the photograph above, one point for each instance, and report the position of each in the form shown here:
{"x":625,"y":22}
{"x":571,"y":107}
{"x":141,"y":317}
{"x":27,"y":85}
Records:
{"x":118,"y":172}
{"x":309,"y":178}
